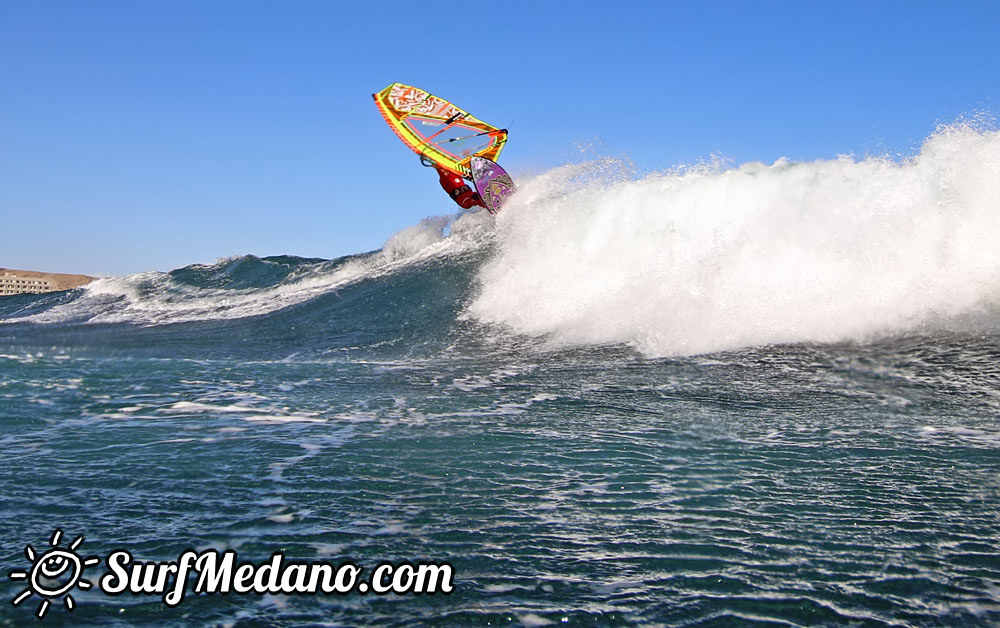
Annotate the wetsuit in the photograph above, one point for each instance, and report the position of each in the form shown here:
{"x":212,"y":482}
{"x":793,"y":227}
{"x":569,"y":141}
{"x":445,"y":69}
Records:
{"x":458,"y":189}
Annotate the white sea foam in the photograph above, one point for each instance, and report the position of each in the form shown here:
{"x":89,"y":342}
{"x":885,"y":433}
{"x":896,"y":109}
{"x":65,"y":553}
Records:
{"x":709,"y":258}
{"x":289,"y":418}
{"x":531,"y":620}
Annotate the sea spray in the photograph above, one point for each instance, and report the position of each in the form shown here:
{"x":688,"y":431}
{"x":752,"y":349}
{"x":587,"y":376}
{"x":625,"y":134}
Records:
{"x":707,"y":258}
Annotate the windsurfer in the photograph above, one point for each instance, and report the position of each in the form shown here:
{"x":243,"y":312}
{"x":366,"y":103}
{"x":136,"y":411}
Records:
{"x":458,"y":189}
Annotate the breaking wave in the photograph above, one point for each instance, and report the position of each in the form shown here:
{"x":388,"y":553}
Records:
{"x":245,"y":286}
{"x":708,"y":258}
{"x":693,"y":260}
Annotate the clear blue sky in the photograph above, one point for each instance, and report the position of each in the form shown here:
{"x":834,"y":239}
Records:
{"x":150,"y":135}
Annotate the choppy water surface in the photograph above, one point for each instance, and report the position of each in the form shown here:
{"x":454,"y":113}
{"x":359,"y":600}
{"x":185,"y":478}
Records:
{"x":368,"y":408}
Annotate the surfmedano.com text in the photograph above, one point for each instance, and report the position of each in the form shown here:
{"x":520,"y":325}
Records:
{"x":220,"y":573}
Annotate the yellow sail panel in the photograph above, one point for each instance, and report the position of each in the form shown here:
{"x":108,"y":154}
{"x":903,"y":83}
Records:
{"x":438,"y":130}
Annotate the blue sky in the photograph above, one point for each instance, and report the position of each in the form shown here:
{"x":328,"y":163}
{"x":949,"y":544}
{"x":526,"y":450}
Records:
{"x":151,"y":135}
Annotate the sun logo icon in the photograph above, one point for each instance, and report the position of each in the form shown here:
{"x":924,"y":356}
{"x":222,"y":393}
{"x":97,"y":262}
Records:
{"x":54,"y":573}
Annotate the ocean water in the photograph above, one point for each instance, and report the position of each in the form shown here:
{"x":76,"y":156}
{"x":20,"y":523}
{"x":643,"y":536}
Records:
{"x":754,"y":395}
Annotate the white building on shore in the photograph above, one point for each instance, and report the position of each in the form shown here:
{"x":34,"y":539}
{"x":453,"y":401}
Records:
{"x":34,"y":282}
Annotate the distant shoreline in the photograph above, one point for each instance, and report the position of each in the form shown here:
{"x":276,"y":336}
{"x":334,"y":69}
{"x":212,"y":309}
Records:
{"x":36,"y":282}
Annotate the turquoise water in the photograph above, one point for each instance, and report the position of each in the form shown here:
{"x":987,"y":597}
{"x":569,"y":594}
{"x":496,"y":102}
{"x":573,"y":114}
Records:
{"x":761,"y":396}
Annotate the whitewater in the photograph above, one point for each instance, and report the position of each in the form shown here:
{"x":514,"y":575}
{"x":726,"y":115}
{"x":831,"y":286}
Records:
{"x":722,"y":394}
{"x":709,"y":258}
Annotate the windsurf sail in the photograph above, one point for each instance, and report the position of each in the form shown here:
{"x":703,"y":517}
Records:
{"x":438,"y":130}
